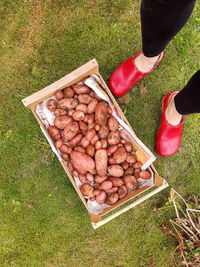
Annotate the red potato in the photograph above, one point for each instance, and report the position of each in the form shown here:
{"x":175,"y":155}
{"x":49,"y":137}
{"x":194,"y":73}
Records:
{"x":130,"y":158}
{"x":109,"y":111}
{"x":101,"y":160}
{"x":93,"y":171}
{"x":75,"y":173}
{"x":129,"y":171}
{"x":122,"y":191}
{"x":114,"y":138}
{"x":54,"y":133}
{"x":70,"y":131}
{"x":76,"y":140}
{"x":86,"y":118}
{"x":85,"y":142}
{"x":69,"y":92}
{"x":59,"y":94}
{"x":82,"y":178}
{"x":111,"y":160}
{"x":128,"y":146}
{"x":136,"y":173}
{"x":82,"y":162}
{"x":100,"y":179}
{"x":112,"y":149}
{"x":101,"y":114}
{"x":106,"y":185}
{"x":145,"y":175}
{"x":123,"y":141}
{"x":116,"y":181}
{"x":90,"y":177}
{"x":68,"y":103}
{"x":131,"y":182}
{"x":71,"y":112}
{"x":90,"y":149}
{"x":97,"y":186}
{"x":81,"y":89}
{"x":115,"y":170}
{"x":90,"y":134}
{"x":78,"y":115}
{"x":112,"y":198}
{"x":76,"y":96}
{"x":70,"y":166}
{"x":104,"y":131}
{"x":84,"y":99}
{"x":98,"y":145}
{"x":65,"y":157}
{"x":137,"y":165}
{"x":87,"y":190}
{"x":94,"y":139}
{"x":82,"y":107}
{"x":92,"y":105}
{"x":90,"y":119}
{"x":65,"y":149}
{"x":112,"y":190}
{"x":59,"y":143}
{"x":60,"y":111}
{"x":97,"y":127}
{"x":119,"y":155}
{"x":91,"y":125}
{"x":113,"y":124}
{"x":101,"y":198}
{"x":83,"y":126}
{"x":97,"y":192}
{"x":51,"y":105}
{"x":125,"y":165}
{"x":80,"y":149}
{"x":62,"y":121}
{"x":104,"y":143}
{"x":120,"y":145}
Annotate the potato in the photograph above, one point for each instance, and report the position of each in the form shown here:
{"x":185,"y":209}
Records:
{"x":92,"y":198}
{"x":104,"y":131}
{"x":98,"y":145}
{"x":109,"y":111}
{"x":101,"y":114}
{"x":104,"y":143}
{"x":129,"y":171}
{"x":136,"y":173}
{"x":125,"y":165}
{"x":90,"y":150}
{"x":113,"y":124}
{"x":82,"y":162}
{"x":90,"y":119}
{"x":123,"y":141}
{"x":94,"y":139}
{"x":75,"y":173}
{"x":70,"y":166}
{"x":115,"y":170}
{"x":59,"y":94}
{"x":86,"y":118}
{"x":97,"y":192}
{"x":69,"y":92}
{"x":137,"y":165}
{"x":112,"y":190}
{"x":106,"y":185}
{"x":80,"y":149}
{"x":97,"y":127}
{"x":112,"y":198}
{"x":130,"y":158}
{"x":68,"y":103}
{"x":101,"y":197}
{"x":93,"y":171}
{"x":82,"y":178}
{"x":119,"y":155}
{"x":62,"y":121}
{"x":65,"y":157}
{"x":84,"y":99}
{"x":81,"y":89}
{"x":122,"y":191}
{"x":101,"y":160}
{"x":97,"y":186}
{"x":114,"y":138}
{"x":87,"y":190}
{"x":92,"y":105}
{"x":116,"y":181}
{"x":85,"y":142}
{"x":51,"y":105}
{"x":91,"y":125}
{"x":60,"y":111}
{"x":71,"y":112}
{"x":112,"y":149}
{"x":59,"y":143}
{"x":70,"y":131}
{"x":100,"y":179}
{"x":76,"y":140}
{"x":83,"y":127}
{"x":90,"y":134}
{"x":128,"y":146}
{"x":145,"y":175}
{"x":131,"y":182}
{"x":90,"y":177}
{"x":54,"y":133}
{"x":78,"y":115}
{"x":65,"y":149}
{"x":111,"y":160}
{"x":82,"y":107}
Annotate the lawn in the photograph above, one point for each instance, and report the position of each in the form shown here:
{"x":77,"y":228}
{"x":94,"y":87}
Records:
{"x":42,"y":220}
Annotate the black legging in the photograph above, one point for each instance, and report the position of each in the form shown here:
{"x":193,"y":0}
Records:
{"x":161,"y":20}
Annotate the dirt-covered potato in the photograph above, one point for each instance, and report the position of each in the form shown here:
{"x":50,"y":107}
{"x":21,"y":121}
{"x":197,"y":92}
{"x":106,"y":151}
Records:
{"x":112,"y":190}
{"x":137,"y":165}
{"x":101,"y":198}
{"x":119,"y":155}
{"x":80,"y":149}
{"x":81,"y":89}
{"x":90,"y":177}
{"x":59,"y":143}
{"x":128,"y":146}
{"x":84,"y":99}
{"x":60,"y":111}
{"x":106,"y":185}
{"x":82,"y":162}
{"x":70,"y":131}
{"x":112,"y":149}
{"x":83,"y":127}
{"x":54,"y":133}
{"x":100,"y":179}
{"x":90,"y":149}
{"x":78,"y":115}
{"x":131,"y":182}
{"x":85,"y":142}
{"x":130,"y":158}
{"x":115,"y":170}
{"x":74,"y":141}
{"x":65,"y":157}
{"x":116,"y":181}
{"x":92,"y":105}
{"x":69,"y":92}
{"x":122,"y":191}
{"x":129,"y":171}
{"x":114,"y":138}
{"x":82,"y":178}
{"x":68,"y":103}
{"x":98,"y":145}
{"x":145,"y":175}
{"x":113,"y":124}
{"x":82,"y":107}
{"x":125,"y":165}
{"x":104,"y":143}
{"x":59,"y":94}
{"x":90,"y":134}
{"x":112,"y":198}
{"x":87,"y":190}
{"x":104,"y":131}
{"x":65,"y":149}
{"x":101,"y":160}
{"x":94,"y":139}
{"x":136,"y":173}
{"x":62,"y":121}
{"x":101,"y":114}
{"x":51,"y":105}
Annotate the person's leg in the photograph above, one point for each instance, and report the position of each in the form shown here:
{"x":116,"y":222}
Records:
{"x":161,"y":20}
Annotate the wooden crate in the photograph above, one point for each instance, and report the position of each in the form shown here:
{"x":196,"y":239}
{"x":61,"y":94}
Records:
{"x":142,"y":155}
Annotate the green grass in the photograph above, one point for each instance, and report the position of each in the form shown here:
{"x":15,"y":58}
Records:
{"x":42,"y":220}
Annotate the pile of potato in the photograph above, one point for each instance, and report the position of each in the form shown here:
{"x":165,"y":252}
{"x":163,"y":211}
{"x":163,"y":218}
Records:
{"x":87,"y":135}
